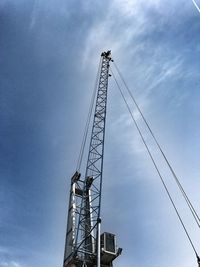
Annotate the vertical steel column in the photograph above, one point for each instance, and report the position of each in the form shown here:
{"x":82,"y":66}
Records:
{"x":99,"y":242}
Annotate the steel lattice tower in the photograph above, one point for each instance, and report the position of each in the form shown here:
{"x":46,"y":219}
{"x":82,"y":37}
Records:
{"x":83,"y":232}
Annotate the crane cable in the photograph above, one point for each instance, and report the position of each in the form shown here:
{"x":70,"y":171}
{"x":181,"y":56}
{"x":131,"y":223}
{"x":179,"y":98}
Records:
{"x":80,"y":157}
{"x":189,"y":204}
{"x":156,"y":167}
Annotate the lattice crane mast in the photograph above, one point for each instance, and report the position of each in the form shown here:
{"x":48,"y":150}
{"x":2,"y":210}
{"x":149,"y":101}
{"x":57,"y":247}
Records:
{"x":84,"y":245}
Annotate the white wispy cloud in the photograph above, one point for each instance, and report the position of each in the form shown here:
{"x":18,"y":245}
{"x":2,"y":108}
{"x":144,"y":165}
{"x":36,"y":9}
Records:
{"x":8,"y":263}
{"x":133,"y":21}
{"x":34,"y":13}
{"x":168,"y":69}
{"x":102,"y":36}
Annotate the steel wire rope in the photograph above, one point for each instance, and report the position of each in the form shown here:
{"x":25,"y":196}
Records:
{"x":156,"y":167}
{"x":80,"y":157}
{"x":185,"y":196}
{"x":83,"y":146}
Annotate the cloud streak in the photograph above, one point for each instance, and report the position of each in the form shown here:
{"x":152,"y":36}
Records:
{"x":195,"y":4}
{"x":34,"y":13}
{"x":9,"y":263}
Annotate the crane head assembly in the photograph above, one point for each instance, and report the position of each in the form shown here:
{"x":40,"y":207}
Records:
{"x":84,"y":244}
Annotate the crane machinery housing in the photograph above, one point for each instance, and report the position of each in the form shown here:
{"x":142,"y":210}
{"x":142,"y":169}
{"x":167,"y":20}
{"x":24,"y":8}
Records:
{"x":85,"y":246}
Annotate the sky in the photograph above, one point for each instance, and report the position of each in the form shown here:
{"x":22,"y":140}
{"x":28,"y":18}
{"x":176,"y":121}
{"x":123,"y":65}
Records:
{"x":49,"y":55}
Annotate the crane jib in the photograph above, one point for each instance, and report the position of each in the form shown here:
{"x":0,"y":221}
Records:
{"x":83,"y":245}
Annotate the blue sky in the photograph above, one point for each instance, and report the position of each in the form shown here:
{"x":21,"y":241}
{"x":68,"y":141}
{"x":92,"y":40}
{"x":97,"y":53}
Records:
{"x":49,"y":53}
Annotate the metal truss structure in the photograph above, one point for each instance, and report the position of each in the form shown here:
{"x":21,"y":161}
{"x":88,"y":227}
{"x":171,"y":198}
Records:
{"x":85,"y":195}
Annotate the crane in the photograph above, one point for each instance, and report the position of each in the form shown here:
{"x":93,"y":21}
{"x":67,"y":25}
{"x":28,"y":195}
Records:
{"x":85,"y":246}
